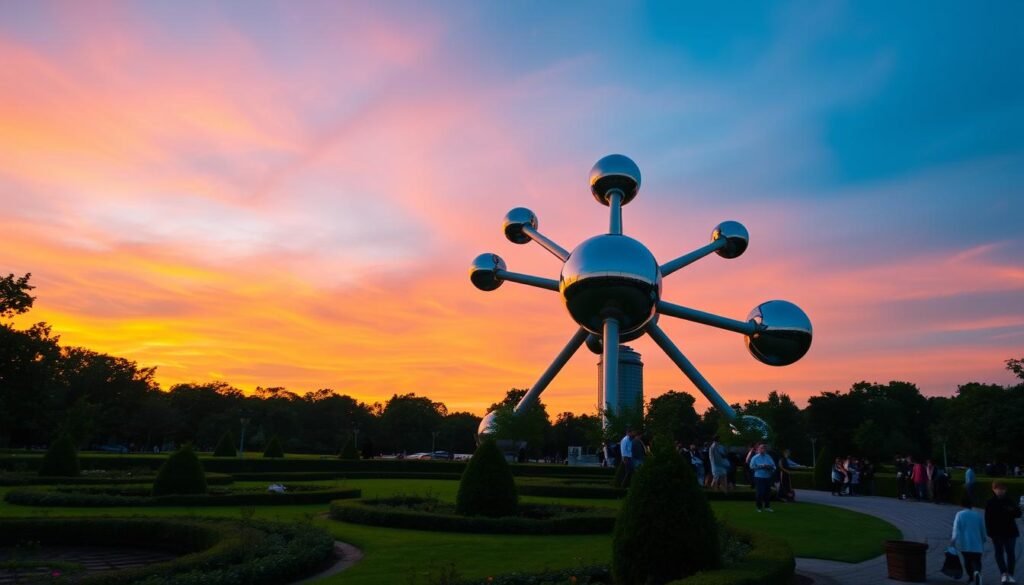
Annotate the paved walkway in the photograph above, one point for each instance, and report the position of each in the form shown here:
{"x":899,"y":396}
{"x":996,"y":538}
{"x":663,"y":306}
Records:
{"x":919,"y":521}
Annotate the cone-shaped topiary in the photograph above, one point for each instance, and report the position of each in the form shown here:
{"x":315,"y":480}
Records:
{"x":487,"y":487}
{"x":226,"y":446}
{"x":666,"y":529}
{"x":273,"y":448}
{"x":620,"y":476}
{"x":823,"y":469}
{"x":61,"y":459}
{"x":182,"y":473}
{"x":349,"y":451}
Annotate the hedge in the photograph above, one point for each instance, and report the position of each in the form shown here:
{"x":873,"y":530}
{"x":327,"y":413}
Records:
{"x":215,"y":551}
{"x":86,"y":499}
{"x":329,"y":464}
{"x":17,"y":479}
{"x":374,"y":513}
{"x":283,"y":476}
{"x":886,"y":485}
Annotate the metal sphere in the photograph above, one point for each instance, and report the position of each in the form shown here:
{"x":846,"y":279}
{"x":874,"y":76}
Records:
{"x":751,"y":423}
{"x":615,"y":171}
{"x":514,"y":222}
{"x":611,"y":275}
{"x":736,"y":238}
{"x":784,"y":333}
{"x":483,"y":272}
{"x":487,"y":427}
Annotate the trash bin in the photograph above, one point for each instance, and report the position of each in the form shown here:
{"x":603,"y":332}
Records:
{"x":906,"y":560}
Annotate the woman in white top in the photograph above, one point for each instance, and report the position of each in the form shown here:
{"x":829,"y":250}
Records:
{"x":969,"y":539}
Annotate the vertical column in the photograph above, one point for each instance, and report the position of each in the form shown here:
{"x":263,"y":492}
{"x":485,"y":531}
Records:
{"x":615,"y":207}
{"x":610,"y":360}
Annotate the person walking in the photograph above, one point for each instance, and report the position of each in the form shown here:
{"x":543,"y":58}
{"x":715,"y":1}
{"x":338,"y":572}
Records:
{"x":902,"y":478}
{"x":626,"y":453}
{"x":969,"y":538}
{"x":786,"y":466}
{"x":639,"y":449}
{"x":969,"y":479}
{"x":763,"y":467}
{"x":919,"y":476}
{"x":698,"y":463}
{"x":838,"y":477}
{"x":1001,"y":515}
{"x":719,"y":465}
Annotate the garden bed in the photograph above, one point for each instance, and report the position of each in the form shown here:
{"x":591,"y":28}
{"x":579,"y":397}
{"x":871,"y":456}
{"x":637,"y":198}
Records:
{"x":140,"y":495}
{"x":423,"y":513}
{"x":212,"y":551}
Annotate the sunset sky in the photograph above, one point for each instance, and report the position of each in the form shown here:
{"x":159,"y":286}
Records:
{"x":289,"y":194}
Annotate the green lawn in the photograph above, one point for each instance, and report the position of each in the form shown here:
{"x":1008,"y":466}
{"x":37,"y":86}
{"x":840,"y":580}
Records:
{"x":394,"y":555}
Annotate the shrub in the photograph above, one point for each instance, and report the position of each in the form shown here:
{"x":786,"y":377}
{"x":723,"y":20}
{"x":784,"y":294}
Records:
{"x":61,"y":459}
{"x":620,"y":476}
{"x":769,"y":562}
{"x":273,"y":448}
{"x":349,"y":451}
{"x":666,"y":529}
{"x":226,"y":446}
{"x":182,"y":473}
{"x":487,"y":487}
{"x":823,"y":469}
{"x":128,"y":496}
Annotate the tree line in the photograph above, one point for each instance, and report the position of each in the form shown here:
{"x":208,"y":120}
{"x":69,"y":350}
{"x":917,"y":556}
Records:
{"x":98,"y":399}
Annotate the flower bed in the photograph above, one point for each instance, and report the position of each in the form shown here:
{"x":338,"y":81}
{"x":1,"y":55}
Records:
{"x":214,"y":551}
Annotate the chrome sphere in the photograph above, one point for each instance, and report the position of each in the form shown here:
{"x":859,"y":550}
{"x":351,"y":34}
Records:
{"x":753,"y":424}
{"x":783,"y":336}
{"x":483,"y":272}
{"x":611,"y":275}
{"x":615,"y":171}
{"x":736,"y":238}
{"x":514,"y":222}
{"x":487,"y":427}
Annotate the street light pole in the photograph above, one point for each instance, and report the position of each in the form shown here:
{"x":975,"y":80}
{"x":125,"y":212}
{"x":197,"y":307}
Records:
{"x":355,"y":438}
{"x":433,"y":443}
{"x":814,"y":453}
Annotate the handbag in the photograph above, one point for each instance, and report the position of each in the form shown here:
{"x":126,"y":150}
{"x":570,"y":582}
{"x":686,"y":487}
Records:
{"x":952,"y":567}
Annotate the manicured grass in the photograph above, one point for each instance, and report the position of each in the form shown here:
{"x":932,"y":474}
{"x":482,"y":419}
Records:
{"x":394,"y":555}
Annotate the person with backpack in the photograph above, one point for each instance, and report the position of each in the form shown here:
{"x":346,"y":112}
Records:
{"x":969,"y":538}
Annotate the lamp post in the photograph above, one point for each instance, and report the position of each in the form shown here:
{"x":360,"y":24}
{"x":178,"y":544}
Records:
{"x":241,"y":443}
{"x":433,"y":443}
{"x":814,"y":452}
{"x":355,"y":438}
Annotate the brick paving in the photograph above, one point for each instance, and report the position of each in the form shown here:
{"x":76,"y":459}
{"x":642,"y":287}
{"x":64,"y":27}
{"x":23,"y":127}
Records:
{"x":919,"y":521}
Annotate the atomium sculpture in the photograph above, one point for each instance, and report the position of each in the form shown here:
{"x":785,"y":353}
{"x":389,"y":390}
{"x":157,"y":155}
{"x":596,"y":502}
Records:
{"x":611,"y":286}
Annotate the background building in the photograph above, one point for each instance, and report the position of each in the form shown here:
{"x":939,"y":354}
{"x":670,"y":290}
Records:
{"x":631,"y":382}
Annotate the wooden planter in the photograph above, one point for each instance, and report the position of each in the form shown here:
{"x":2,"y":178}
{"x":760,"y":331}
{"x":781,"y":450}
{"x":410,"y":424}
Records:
{"x":906,"y":560}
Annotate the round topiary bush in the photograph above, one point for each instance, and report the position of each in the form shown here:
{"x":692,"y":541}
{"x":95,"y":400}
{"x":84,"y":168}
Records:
{"x":666,"y":529}
{"x":61,"y":459}
{"x":487,"y":487}
{"x":226,"y":446}
{"x":181,"y":474}
{"x":349,"y":451}
{"x":273,"y":448}
{"x":823,"y":469}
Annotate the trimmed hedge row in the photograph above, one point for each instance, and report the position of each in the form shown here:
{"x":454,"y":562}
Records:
{"x":374,"y":513}
{"x":17,"y":479}
{"x":259,"y":465}
{"x":215,"y":551}
{"x":85,"y":499}
{"x":333,"y":475}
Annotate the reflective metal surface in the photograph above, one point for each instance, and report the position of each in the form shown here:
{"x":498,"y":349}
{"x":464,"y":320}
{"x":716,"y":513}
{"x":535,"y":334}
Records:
{"x":486,"y":427}
{"x":615,"y":171}
{"x":611,"y":276}
{"x":783,"y":333}
{"x":611,"y":287}
{"x":610,"y":362}
{"x":735,"y":236}
{"x":751,"y":423}
{"x":513,"y":224}
{"x":483,"y":272}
